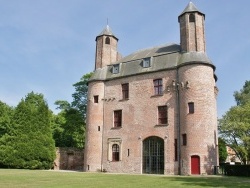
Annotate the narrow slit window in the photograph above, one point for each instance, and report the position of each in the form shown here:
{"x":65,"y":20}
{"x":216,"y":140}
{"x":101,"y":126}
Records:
{"x":190,"y":107}
{"x":184,"y":139}
{"x":175,"y":150}
{"x":99,"y":128}
{"x":96,"y":99}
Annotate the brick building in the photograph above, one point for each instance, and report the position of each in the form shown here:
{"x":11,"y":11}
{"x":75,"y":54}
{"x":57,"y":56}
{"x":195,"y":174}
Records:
{"x":153,"y":111}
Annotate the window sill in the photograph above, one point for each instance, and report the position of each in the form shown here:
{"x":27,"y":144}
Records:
{"x":122,"y":100}
{"x":159,"y":95}
{"x":114,"y":128}
{"x":161,"y":125}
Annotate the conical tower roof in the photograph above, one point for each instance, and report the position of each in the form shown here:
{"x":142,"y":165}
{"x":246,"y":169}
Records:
{"x":190,"y":8}
{"x":107,"y":32}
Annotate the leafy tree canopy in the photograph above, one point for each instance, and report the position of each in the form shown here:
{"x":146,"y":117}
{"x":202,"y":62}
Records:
{"x":234,"y":126}
{"x":29,"y":143}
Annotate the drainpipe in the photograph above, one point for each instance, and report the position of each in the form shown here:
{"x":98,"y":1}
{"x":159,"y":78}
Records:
{"x":102,"y":126}
{"x":178,"y":122}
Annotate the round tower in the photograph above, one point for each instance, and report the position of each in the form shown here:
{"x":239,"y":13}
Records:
{"x":106,"y":48}
{"x":94,"y":127}
{"x":197,"y":97}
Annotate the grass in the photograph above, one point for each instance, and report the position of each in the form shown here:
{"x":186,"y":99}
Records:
{"x":38,"y":178}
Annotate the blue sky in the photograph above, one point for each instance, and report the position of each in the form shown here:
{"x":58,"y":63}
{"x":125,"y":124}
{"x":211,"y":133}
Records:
{"x":47,"y":45}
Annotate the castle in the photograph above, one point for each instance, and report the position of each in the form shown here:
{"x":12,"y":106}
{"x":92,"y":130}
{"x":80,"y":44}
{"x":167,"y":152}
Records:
{"x":153,"y":111}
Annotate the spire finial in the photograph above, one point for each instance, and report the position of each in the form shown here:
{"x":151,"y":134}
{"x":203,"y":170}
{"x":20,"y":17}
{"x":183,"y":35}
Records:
{"x":107,"y":21}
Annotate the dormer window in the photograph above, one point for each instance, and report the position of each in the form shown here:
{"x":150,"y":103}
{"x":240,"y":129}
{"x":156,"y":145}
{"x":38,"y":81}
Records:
{"x":146,"y":62}
{"x":115,"y":69}
{"x":107,"y":40}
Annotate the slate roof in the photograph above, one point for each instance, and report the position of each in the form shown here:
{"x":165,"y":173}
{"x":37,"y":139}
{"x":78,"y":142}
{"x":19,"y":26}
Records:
{"x":162,"y":58}
{"x":106,"y":31}
{"x":190,"y":8}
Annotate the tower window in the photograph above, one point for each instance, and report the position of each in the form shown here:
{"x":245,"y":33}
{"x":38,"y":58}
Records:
{"x":184,"y":139}
{"x":191,"y":18}
{"x":107,"y":40}
{"x":117,"y":118}
{"x":146,"y":62}
{"x":158,"y":86}
{"x":125,"y":91}
{"x":115,"y":69}
{"x":162,"y":115}
{"x":96,"y":99}
{"x":115,"y":152}
{"x":190,"y":107}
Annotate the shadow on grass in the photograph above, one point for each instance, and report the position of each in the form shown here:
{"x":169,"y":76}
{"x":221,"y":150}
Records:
{"x":211,"y":181}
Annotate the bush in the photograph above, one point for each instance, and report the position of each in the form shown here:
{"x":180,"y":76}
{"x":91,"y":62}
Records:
{"x":237,"y":170}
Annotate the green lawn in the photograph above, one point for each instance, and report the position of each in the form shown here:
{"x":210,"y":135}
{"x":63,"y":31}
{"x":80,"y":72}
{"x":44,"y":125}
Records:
{"x":37,"y":178}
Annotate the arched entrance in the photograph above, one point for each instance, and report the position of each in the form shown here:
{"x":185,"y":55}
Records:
{"x":195,"y":164}
{"x":153,"y":155}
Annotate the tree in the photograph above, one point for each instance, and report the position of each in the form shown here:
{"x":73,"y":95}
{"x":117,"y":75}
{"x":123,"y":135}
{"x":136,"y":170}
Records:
{"x":29,"y":143}
{"x":5,"y":118}
{"x":243,"y":96}
{"x":234,"y":128}
{"x":222,"y":150}
{"x":69,"y":124}
{"x":80,"y":94}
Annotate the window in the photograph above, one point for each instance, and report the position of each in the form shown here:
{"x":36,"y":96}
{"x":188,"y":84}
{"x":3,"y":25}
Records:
{"x":162,"y":115}
{"x":184,"y":139}
{"x":146,"y":62}
{"x":117,"y":118}
{"x":191,"y":18}
{"x":114,"y":149}
{"x":107,"y":40}
{"x":115,"y":69}
{"x":96,"y":99}
{"x":125,"y":91}
{"x":190,"y":107}
{"x":175,"y":150}
{"x":115,"y":152}
{"x":158,"y":86}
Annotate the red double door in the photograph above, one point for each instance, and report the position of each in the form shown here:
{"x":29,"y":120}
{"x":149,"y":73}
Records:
{"x":195,"y":164}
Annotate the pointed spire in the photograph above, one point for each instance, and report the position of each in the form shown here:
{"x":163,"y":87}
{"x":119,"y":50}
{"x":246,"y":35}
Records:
{"x":107,"y":31}
{"x":190,"y":8}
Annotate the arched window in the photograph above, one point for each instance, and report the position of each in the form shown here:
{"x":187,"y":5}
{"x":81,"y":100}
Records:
{"x":115,"y":152}
{"x":107,"y":40}
{"x":153,"y":155}
{"x":191,"y":18}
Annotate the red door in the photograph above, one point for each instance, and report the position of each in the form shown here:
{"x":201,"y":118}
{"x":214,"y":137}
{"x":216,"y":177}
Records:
{"x":195,"y":164}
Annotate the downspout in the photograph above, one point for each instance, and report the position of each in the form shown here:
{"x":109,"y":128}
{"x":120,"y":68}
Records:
{"x":178,"y":122}
{"x":102,"y":126}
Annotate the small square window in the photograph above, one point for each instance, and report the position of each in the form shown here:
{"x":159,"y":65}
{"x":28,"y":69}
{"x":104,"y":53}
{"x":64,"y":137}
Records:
{"x":96,"y":99}
{"x":190,"y":107}
{"x":115,"y":69}
{"x":146,"y":62}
